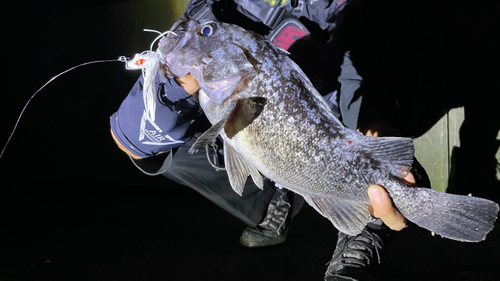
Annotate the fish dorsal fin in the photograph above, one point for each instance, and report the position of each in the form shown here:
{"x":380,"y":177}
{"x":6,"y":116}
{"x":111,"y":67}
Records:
{"x":395,"y":153}
{"x":315,"y":95}
{"x":243,"y":114}
{"x":347,"y":216}
{"x":238,"y":170}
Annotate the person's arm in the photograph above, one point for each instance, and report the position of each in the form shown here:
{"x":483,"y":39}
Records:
{"x":326,"y":15}
{"x":140,"y":137}
{"x":123,"y":148}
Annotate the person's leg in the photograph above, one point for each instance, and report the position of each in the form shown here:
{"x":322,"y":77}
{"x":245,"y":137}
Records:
{"x":273,"y":229}
{"x":355,"y":257}
{"x":265,"y":211}
{"x":364,"y":102}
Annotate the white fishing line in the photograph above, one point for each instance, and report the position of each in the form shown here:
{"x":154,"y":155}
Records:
{"x":150,"y":67}
{"x":120,"y":59}
{"x":162,"y":35}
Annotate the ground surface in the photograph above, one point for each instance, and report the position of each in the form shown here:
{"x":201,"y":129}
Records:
{"x":149,"y":233}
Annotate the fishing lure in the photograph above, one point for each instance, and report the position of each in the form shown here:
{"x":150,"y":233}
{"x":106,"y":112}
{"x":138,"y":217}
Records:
{"x":148,"y":62}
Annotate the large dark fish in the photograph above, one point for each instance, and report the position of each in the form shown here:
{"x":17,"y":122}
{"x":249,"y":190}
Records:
{"x":274,"y":122}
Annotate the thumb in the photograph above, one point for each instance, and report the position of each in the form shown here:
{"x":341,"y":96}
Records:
{"x":383,"y":208}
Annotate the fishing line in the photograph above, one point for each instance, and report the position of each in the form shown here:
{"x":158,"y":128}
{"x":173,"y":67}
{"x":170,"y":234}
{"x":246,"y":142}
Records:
{"x":148,"y":61}
{"x":120,"y":59}
{"x":150,"y":64}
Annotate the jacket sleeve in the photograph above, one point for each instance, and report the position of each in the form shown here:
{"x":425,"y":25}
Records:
{"x":177,"y":114}
{"x":173,"y":97}
{"x":328,"y":16}
{"x":174,"y":124}
{"x":197,"y":10}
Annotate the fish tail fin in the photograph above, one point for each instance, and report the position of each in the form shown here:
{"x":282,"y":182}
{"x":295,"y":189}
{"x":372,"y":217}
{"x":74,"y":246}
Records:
{"x":457,"y":217}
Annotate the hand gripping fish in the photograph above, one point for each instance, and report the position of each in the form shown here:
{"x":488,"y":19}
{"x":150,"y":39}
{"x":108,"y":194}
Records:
{"x":274,"y":123}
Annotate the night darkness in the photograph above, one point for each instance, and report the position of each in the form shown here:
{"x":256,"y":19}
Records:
{"x":73,"y":207}
{"x":64,"y":133}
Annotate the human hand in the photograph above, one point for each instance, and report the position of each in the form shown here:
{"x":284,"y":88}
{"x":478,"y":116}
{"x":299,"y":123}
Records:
{"x":383,"y":208}
{"x":189,"y":84}
{"x":379,"y":130}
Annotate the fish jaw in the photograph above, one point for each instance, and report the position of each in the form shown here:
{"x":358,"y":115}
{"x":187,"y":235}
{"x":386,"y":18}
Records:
{"x":186,"y":50}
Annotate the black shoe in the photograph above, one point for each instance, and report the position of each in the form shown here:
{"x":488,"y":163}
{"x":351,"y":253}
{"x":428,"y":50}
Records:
{"x":356,"y":258}
{"x":272,"y":230}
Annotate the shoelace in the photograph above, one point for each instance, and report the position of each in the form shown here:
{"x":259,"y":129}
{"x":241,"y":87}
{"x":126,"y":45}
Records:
{"x":276,"y":215}
{"x":357,"y":251}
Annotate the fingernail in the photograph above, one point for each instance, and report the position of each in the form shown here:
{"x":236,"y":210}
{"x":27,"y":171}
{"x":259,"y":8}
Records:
{"x":375,"y":194}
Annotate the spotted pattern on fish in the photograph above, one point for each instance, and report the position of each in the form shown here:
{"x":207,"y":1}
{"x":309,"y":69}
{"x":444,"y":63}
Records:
{"x":274,"y":122}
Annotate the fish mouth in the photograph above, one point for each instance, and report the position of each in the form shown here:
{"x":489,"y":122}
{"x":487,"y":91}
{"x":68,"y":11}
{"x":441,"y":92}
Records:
{"x":177,"y":24}
{"x":185,"y":50}
{"x":195,"y":67}
{"x":175,"y":38}
{"x":223,"y":85}
{"x":173,"y":55}
{"x":170,"y":72}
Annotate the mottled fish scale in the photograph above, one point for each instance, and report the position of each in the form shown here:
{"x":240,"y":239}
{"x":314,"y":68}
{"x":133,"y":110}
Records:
{"x":274,"y":121}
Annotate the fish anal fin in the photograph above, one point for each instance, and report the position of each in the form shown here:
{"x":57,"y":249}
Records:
{"x":245,"y":111}
{"x":348,"y":217}
{"x":238,"y":170}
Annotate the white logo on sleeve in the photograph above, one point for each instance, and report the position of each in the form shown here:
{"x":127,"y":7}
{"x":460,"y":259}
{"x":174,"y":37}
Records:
{"x":154,"y":136}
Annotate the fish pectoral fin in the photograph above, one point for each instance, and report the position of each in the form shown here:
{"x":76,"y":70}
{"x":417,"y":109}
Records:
{"x":208,"y":136}
{"x":393,"y":152}
{"x":243,"y":114}
{"x":347,"y":216}
{"x":238,"y":170}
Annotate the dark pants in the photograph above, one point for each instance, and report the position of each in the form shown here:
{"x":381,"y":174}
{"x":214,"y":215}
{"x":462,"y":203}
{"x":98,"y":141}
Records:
{"x":196,"y":172}
{"x":365,"y":101}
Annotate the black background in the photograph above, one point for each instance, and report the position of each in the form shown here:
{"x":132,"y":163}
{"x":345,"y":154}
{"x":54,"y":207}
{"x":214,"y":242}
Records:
{"x":63,"y":135}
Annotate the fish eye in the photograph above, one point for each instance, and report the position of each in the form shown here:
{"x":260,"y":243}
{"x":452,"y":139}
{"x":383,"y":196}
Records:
{"x":208,"y":29}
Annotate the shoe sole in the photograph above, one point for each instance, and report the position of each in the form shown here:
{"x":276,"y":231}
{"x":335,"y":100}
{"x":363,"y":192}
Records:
{"x":256,"y":244}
